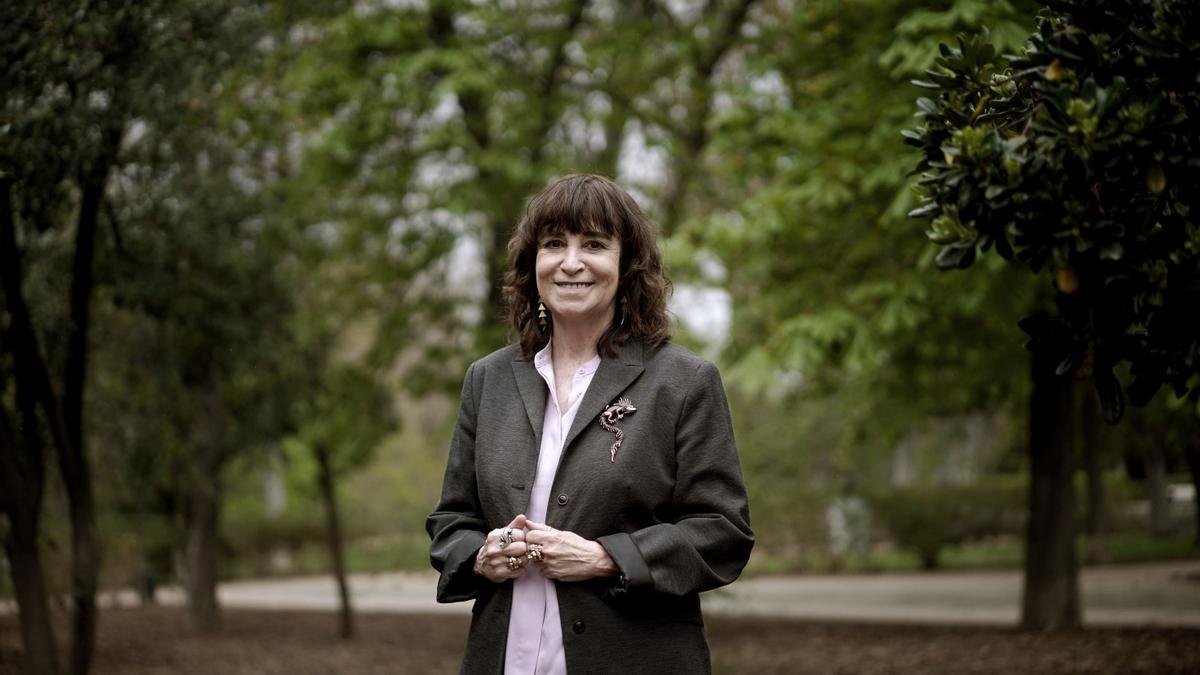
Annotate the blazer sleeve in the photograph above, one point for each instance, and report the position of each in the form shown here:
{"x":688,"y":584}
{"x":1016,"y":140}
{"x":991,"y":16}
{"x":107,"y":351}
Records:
{"x":456,"y":526}
{"x":709,"y":539}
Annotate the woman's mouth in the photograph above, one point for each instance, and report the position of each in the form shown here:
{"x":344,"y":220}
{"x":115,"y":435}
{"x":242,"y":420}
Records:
{"x":572,"y":285}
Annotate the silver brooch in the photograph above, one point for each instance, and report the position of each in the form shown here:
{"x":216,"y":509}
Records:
{"x":610,"y":416}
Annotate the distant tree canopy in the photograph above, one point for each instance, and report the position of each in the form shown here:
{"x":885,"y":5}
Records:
{"x":1080,"y":155}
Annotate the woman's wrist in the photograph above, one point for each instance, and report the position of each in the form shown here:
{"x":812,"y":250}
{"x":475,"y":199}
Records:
{"x":604,"y":565}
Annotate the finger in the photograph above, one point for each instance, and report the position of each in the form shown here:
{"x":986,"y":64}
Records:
{"x":512,"y":566}
{"x":495,"y":537}
{"x":516,"y":549}
{"x":532,"y":526}
{"x":518,"y":523}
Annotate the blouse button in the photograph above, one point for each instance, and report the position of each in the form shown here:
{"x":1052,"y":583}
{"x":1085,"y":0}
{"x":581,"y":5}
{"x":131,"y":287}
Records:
{"x":579,"y":626}
{"x":562,"y":500}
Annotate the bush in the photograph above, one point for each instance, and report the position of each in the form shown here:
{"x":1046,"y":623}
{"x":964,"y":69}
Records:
{"x":925,"y":519}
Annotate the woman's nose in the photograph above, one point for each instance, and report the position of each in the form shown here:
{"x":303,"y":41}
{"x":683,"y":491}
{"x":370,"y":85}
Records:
{"x":571,"y":262}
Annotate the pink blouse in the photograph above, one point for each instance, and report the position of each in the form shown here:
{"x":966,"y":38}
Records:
{"x":535,"y":645}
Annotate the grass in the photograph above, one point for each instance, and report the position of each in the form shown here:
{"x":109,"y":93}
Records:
{"x":997,"y":553}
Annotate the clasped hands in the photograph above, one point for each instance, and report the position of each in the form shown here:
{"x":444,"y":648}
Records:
{"x":565,"y":556}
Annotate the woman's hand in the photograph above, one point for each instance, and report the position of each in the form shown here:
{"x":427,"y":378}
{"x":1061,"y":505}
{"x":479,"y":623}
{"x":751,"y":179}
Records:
{"x":494,"y":559}
{"x":566,"y":556}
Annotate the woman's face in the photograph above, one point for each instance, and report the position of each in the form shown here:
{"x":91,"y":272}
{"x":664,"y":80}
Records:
{"x":577,"y":277}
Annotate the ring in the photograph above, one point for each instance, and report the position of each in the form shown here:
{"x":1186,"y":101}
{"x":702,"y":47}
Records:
{"x":535,"y":552}
{"x":514,"y":564}
{"x":506,"y":537}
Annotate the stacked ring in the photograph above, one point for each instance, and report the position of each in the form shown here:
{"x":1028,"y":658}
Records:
{"x":514,"y":564}
{"x":506,"y":537}
{"x":535,"y":552}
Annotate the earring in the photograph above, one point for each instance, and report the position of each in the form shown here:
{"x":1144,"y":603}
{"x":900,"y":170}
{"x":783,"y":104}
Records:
{"x":624,"y":308}
{"x":542,"y":323}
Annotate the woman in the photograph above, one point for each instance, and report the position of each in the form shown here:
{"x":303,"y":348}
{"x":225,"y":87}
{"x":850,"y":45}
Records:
{"x":593,"y":487}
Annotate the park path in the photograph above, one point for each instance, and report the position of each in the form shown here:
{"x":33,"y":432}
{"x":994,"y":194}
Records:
{"x":1162,"y":594}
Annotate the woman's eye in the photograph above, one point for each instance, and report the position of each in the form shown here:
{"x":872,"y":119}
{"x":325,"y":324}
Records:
{"x":552,"y":243}
{"x":595,"y":244}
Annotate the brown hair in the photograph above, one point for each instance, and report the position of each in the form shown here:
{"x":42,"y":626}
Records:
{"x":579,"y":204}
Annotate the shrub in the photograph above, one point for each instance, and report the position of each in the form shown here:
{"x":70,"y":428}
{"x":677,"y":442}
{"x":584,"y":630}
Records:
{"x":925,"y":519}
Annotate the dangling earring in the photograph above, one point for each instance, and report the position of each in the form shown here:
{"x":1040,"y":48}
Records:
{"x":624,"y":308}
{"x":542,"y":323}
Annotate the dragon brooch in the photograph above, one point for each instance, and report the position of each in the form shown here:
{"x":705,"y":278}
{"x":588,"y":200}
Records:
{"x":610,"y":416}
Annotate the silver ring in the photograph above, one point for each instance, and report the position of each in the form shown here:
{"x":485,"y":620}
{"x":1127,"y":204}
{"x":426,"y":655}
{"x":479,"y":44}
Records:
{"x":514,"y":564}
{"x":506,"y":537}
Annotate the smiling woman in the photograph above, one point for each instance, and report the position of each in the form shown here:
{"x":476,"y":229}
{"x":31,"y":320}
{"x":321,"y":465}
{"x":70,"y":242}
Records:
{"x":581,"y":558}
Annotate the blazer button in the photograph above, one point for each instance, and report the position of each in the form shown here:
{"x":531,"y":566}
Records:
{"x":562,"y":500}
{"x":579,"y":627}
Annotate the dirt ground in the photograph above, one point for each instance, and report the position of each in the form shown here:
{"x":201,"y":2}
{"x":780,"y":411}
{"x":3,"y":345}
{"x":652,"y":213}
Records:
{"x":157,"y":641}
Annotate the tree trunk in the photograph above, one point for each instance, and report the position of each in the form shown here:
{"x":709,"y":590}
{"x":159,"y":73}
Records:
{"x":1192,"y":454}
{"x":204,"y":516}
{"x":1156,"y":485}
{"x":1051,"y":593}
{"x":41,"y":654}
{"x":203,"y":611}
{"x":1093,"y":454}
{"x":695,"y":136}
{"x":21,"y":485}
{"x":333,"y":531}
{"x":22,"y":471}
{"x":72,"y":460}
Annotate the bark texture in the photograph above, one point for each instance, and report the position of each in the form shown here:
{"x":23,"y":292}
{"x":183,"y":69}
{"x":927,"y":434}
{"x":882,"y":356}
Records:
{"x":204,"y":506}
{"x":1050,"y":600}
{"x":72,"y":459}
{"x":22,"y":471}
{"x":333,"y":531}
{"x":21,"y":485}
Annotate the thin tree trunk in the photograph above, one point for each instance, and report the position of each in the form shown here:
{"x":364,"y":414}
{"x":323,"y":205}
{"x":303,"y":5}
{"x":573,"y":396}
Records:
{"x":21,"y":485}
{"x":203,"y":611}
{"x":1192,"y":454}
{"x":85,"y":553}
{"x":41,"y":653}
{"x":1093,"y":454}
{"x":22,"y":472}
{"x":1051,"y":593}
{"x":1156,"y":485}
{"x":333,"y":531}
{"x":695,"y":136}
{"x":204,"y":517}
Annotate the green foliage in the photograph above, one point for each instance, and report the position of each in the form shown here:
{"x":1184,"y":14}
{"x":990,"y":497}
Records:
{"x":1078,"y":154}
{"x":823,"y":269}
{"x":928,"y":518}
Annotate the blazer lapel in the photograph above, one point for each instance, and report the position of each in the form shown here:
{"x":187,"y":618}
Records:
{"x":612,"y":377}
{"x":533,"y":392}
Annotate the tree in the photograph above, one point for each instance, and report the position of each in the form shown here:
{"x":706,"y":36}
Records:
{"x":803,"y":206}
{"x":342,"y":417}
{"x":208,"y":277}
{"x":1076,"y":156}
{"x":74,"y":79}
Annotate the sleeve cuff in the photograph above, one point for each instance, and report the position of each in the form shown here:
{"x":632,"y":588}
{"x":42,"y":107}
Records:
{"x":459,"y":581}
{"x":635,"y":575}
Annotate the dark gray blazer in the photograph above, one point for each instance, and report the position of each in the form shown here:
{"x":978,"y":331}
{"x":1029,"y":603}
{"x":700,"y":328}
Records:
{"x":671,"y":511}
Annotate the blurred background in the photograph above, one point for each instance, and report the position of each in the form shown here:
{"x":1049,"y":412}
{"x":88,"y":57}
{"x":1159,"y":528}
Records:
{"x":250,"y":249}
